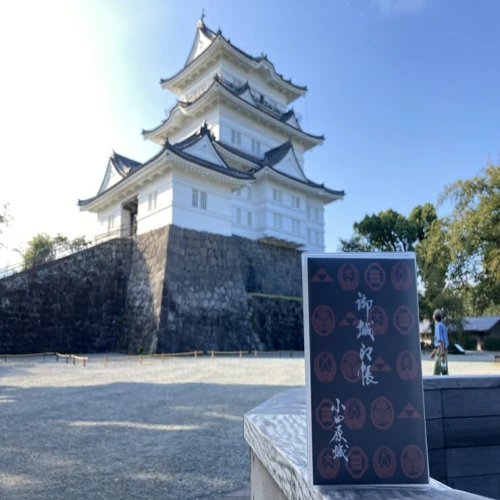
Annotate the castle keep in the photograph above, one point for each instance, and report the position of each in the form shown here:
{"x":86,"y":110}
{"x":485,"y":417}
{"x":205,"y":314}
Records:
{"x":200,"y":245}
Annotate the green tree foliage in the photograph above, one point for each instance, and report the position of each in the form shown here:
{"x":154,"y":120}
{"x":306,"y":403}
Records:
{"x":390,"y":231}
{"x":5,"y":219}
{"x":473,"y":236}
{"x":423,"y":233}
{"x":43,"y":248}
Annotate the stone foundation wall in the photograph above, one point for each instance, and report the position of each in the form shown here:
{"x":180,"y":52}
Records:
{"x":168,"y":290}
{"x":75,"y":304}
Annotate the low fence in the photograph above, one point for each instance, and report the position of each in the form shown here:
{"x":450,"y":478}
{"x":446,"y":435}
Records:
{"x":59,"y":251}
{"x":141,"y":358}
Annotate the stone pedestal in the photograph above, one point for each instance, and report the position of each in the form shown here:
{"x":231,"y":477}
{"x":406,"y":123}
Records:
{"x":276,"y":434}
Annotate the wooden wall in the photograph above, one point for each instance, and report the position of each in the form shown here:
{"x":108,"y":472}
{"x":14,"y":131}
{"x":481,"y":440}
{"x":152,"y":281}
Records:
{"x":463,"y":432}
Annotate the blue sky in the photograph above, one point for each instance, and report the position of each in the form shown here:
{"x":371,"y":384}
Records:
{"x":405,"y":91}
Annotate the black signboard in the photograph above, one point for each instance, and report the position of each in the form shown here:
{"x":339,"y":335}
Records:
{"x":365,"y":407}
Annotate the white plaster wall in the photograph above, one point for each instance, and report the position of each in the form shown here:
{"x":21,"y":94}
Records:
{"x":249,"y":129}
{"x":102,"y":233}
{"x":246,"y":206}
{"x":217,"y":217}
{"x":162,"y":215}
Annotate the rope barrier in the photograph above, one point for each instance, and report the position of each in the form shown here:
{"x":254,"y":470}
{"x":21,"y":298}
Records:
{"x":141,"y":357}
{"x":30,"y":355}
{"x":79,"y":358}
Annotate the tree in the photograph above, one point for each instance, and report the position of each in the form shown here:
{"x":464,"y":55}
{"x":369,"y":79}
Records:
{"x":390,"y":231}
{"x":423,"y":233}
{"x":473,"y":236}
{"x":5,"y":219}
{"x":43,"y":248}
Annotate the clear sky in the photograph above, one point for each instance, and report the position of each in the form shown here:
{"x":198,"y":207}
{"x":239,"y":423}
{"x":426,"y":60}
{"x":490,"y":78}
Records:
{"x":406,"y":92}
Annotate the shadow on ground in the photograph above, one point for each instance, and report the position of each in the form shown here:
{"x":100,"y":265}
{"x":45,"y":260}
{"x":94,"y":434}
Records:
{"x":125,"y":440}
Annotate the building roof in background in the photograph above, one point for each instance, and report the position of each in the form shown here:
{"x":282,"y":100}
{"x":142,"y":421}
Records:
{"x":470,"y":324}
{"x":481,"y":323}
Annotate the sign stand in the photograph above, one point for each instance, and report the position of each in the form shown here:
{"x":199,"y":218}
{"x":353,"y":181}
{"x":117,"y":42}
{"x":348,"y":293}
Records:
{"x":365,"y":402}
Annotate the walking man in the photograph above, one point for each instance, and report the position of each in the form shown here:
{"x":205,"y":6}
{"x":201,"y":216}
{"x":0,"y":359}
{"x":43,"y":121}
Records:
{"x":440,"y":344}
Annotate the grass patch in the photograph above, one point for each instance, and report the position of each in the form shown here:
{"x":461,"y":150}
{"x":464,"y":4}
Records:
{"x":272,"y":296}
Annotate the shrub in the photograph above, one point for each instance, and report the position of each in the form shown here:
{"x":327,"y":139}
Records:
{"x":468,"y":342}
{"x":492,"y":344}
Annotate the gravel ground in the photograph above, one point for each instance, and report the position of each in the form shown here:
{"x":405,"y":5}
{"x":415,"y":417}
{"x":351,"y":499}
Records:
{"x":171,"y":430}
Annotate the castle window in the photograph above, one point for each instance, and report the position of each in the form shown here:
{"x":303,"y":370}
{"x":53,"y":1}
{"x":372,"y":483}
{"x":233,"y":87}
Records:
{"x":152,"y":198}
{"x":296,"y":202}
{"x":194,"y":199}
{"x":249,"y":219}
{"x":255,"y":147}
{"x":111,"y":222}
{"x":314,"y":213}
{"x":236,"y":137}
{"x":199,"y":199}
{"x":203,"y":200}
{"x":278,"y":221}
{"x":277,"y":196}
{"x":295,"y":226}
{"x":238,"y":216}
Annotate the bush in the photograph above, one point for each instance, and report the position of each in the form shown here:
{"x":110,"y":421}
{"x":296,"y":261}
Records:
{"x":492,"y":344}
{"x":468,"y":342}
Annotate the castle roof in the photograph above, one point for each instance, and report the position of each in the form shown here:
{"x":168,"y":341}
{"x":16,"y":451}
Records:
{"x":203,"y":151}
{"x":208,"y":43}
{"x":246,"y":103}
{"x":208,"y":161}
{"x":271,"y":161}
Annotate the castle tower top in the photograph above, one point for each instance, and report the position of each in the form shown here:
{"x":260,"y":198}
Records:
{"x":209,"y":47}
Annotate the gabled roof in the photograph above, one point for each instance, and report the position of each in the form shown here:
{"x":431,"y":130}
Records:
{"x":205,"y":36}
{"x":271,"y":161}
{"x":180,"y":150}
{"x":216,"y":39}
{"x":118,"y":165}
{"x":123,"y":164}
{"x":226,"y":89}
{"x":480,"y":323}
{"x":203,"y":150}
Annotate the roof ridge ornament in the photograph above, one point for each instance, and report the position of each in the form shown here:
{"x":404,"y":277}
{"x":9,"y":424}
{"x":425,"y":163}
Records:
{"x":201,"y":22}
{"x":204,"y":128}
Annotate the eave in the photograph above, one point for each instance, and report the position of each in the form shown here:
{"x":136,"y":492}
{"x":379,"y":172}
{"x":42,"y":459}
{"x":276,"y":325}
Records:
{"x":221,"y":46}
{"x":213,"y":94}
{"x":166,"y":160}
{"x":328,"y":195}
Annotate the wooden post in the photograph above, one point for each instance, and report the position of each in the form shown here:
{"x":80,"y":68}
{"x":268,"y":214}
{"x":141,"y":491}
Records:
{"x":163,"y":357}
{"x":44,"y":357}
{"x":74,"y":361}
{"x":84,"y":362}
{"x":241,"y":354}
{"x":195,"y":354}
{"x":57,"y":357}
{"x":291,"y":354}
{"x":255,"y":353}
{"x":212,"y":354}
{"x":140,"y":359}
